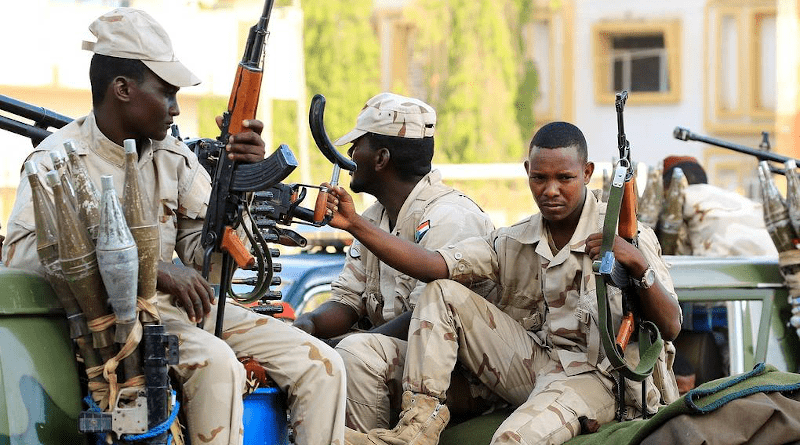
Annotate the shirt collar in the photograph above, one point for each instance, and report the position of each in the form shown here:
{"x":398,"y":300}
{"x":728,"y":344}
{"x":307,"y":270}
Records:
{"x":108,"y":150}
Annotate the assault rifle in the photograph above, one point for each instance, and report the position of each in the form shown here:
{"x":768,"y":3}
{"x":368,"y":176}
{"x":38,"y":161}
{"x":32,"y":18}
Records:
{"x":621,"y":218}
{"x":227,"y":207}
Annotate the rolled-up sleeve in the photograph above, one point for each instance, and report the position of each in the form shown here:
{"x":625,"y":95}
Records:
{"x":471,"y":260}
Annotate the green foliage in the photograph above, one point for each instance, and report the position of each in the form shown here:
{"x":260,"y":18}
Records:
{"x":472,"y":57}
{"x":342,"y":58}
{"x":341,"y":63}
{"x":284,"y":123}
{"x":525,"y":98}
{"x":208,"y":109}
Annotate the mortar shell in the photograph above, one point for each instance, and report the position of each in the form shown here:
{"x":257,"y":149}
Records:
{"x":117,"y":256}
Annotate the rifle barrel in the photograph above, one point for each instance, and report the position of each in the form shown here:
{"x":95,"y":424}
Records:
{"x":685,"y":134}
{"x":40,"y":115}
{"x":35,"y":134}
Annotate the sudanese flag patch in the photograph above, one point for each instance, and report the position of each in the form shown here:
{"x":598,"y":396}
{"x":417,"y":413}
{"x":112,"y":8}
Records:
{"x":422,"y":229}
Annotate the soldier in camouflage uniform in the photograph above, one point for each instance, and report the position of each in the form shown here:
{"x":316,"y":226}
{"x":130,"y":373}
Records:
{"x":392,"y":147}
{"x":538,"y":347}
{"x":717,"y":222}
{"x":135,"y":78}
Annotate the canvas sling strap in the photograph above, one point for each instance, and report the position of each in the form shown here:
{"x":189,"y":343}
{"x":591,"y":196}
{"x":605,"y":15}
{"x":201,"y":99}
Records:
{"x":650,"y":341}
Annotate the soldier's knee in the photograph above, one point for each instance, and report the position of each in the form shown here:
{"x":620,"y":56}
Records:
{"x":446,"y":290}
{"x":364,"y":354}
{"x":324,"y":361}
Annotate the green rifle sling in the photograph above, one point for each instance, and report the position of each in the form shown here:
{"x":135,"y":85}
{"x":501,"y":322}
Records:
{"x":648,"y":348}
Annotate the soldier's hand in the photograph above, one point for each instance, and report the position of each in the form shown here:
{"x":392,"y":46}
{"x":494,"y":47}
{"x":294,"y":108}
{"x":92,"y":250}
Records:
{"x":340,"y":207}
{"x":624,"y":252}
{"x":188,"y":287}
{"x":247,"y":146}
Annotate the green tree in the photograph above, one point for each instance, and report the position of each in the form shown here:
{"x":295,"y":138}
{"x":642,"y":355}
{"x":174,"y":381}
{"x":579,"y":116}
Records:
{"x":471,"y":55}
{"x":342,"y":63}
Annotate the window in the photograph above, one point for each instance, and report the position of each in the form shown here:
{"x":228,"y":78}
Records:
{"x":638,"y":57}
{"x":640,"y":63}
{"x":741,"y":80}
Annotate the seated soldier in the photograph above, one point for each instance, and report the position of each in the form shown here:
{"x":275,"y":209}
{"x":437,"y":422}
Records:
{"x":537,"y":347}
{"x":393,"y":144}
{"x":135,"y":78}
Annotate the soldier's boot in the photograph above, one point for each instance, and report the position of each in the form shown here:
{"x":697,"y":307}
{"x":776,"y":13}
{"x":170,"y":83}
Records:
{"x":422,"y":420}
{"x":353,"y":437}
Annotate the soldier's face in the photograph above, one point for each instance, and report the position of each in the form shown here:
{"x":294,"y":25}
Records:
{"x":362,"y":153}
{"x":557,"y":178}
{"x":153,"y":106}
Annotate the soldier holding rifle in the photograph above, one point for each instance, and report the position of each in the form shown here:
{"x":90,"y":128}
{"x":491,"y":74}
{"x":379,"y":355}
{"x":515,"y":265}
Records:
{"x":135,"y":78}
{"x":538,"y":346}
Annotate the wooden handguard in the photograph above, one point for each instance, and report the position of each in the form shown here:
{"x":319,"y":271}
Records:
{"x":627,"y":227}
{"x":244,"y":97}
{"x":321,"y":205}
{"x":236,"y":249}
{"x":625,"y":332}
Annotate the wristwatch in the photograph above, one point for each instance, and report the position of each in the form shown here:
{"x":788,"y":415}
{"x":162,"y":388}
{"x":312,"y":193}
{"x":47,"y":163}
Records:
{"x":647,"y":280}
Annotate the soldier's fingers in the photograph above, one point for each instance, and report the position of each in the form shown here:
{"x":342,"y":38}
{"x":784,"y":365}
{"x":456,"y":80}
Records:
{"x":197,"y":304}
{"x":188,"y":306}
{"x":254,"y":124}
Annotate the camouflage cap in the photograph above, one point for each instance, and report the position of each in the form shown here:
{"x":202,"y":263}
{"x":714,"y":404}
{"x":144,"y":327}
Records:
{"x":390,"y":114}
{"x":133,"y":34}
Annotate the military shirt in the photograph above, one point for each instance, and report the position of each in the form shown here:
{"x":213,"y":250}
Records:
{"x":433,"y":215}
{"x":720,"y":222}
{"x":169,"y":169}
{"x":553,"y":296}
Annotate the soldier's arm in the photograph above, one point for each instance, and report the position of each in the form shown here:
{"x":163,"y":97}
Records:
{"x":402,"y":255}
{"x":328,"y":320}
{"x":657,"y":303}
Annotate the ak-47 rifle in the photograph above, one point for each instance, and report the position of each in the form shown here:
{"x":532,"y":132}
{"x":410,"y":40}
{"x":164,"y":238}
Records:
{"x":621,"y":218}
{"x":227,"y":207}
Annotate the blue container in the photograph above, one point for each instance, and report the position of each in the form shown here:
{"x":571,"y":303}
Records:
{"x":264,"y":418}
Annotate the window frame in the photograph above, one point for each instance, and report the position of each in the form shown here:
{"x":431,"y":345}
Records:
{"x":603,"y":34}
{"x":749,"y":116}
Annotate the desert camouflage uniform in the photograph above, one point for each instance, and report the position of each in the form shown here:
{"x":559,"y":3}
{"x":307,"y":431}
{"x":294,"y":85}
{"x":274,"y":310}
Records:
{"x":723,"y":223}
{"x":433,"y":215}
{"x":307,"y":370}
{"x":538,"y":347}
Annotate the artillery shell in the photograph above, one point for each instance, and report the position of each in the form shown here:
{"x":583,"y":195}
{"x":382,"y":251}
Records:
{"x":87,"y":196}
{"x":79,"y":265}
{"x":776,"y":215}
{"x":652,"y":199}
{"x":140,"y":215}
{"x":669,"y":226}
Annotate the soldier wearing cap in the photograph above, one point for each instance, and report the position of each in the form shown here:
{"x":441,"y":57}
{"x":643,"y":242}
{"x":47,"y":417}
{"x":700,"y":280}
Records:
{"x":717,"y":222}
{"x":393,"y":148}
{"x":135,"y":77}
{"x":537,"y":346}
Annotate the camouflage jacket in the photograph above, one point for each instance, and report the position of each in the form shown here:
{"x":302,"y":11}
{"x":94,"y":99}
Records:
{"x":553,"y":296}
{"x":433,"y":215}
{"x":178,"y":186}
{"x":723,"y":223}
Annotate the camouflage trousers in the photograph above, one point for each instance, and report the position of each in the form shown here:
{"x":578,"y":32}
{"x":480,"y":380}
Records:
{"x":374,"y":365}
{"x":451,"y":323}
{"x":309,"y":372}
